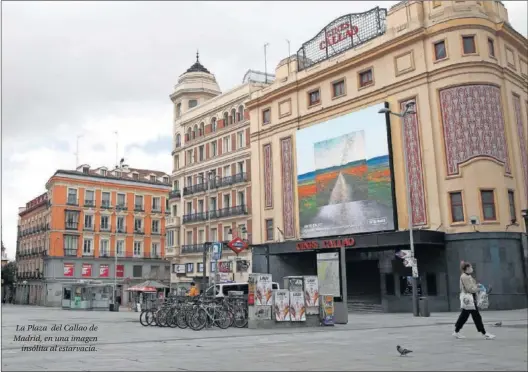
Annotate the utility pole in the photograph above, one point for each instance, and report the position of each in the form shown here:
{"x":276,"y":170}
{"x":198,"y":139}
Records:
{"x":265,"y":63}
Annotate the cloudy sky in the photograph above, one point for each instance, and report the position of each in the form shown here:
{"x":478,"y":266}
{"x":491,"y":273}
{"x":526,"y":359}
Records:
{"x":93,"y":68}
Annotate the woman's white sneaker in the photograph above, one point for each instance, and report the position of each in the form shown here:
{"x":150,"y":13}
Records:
{"x":458,"y":335}
{"x":489,"y":336}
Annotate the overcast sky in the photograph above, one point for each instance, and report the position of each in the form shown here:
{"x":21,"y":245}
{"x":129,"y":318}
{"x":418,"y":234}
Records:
{"x":93,"y":68}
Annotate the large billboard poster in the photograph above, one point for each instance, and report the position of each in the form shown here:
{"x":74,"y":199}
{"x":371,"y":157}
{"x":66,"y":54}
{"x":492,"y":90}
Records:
{"x":344,"y":181}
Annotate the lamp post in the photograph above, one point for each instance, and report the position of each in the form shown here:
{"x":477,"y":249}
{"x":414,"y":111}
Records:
{"x":409,"y":110}
{"x":208,"y":243}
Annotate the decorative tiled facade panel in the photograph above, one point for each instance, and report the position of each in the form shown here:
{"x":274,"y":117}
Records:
{"x":522,"y":142}
{"x":268,"y":177}
{"x":473,"y":124}
{"x":288,"y":209}
{"x":415,"y":172}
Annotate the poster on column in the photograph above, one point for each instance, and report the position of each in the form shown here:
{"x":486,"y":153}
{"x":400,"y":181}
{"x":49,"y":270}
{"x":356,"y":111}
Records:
{"x":328,"y":273}
{"x":103,"y":271}
{"x":282,"y":305}
{"x":297,"y":307}
{"x":311,"y":291}
{"x":252,"y":288}
{"x":264,"y":291}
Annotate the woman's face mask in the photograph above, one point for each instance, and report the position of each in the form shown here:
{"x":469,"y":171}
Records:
{"x":469,"y":270}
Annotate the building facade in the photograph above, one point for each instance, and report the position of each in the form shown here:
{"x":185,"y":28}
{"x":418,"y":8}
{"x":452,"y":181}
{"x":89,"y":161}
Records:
{"x":105,"y":225}
{"x":211,"y":197}
{"x":332,"y":169}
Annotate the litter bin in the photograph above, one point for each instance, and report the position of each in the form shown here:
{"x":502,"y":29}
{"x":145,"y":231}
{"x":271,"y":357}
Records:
{"x":116,"y":306}
{"x":111,"y":307}
{"x":424,"y":307}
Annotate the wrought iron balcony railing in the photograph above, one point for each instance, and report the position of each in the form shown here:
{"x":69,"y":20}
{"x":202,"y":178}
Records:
{"x":69,"y":225}
{"x":174,"y":194}
{"x":72,"y":201}
{"x":192,"y":248}
{"x":89,"y":203}
{"x":195,"y":217}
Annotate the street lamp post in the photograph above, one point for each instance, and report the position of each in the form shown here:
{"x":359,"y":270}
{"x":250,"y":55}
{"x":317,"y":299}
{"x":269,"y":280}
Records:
{"x":409,"y":110}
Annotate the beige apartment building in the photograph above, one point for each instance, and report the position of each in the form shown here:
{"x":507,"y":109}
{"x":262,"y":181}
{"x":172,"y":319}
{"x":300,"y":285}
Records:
{"x":211,"y":197}
{"x":329,"y":170}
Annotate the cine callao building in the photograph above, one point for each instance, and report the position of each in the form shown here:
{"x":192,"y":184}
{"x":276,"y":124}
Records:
{"x":329,"y":170}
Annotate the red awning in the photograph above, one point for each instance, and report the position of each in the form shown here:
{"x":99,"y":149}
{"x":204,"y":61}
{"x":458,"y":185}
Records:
{"x":138,"y":288}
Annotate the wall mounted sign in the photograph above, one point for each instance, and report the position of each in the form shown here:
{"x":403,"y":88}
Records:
{"x":103,"y":271}
{"x":86,"y":270}
{"x":342,"y":34}
{"x":69,"y":269}
{"x":324,"y":244}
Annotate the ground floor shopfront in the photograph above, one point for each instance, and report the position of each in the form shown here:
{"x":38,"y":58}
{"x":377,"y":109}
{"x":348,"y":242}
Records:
{"x":374,"y":279}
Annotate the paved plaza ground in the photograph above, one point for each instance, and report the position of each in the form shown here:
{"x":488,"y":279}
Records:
{"x":368,"y":342}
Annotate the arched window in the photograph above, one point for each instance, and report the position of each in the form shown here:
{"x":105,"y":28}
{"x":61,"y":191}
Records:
{"x":240,"y":114}
{"x":213,"y":125}
{"x":178,"y":140}
{"x":195,"y":131}
{"x":188,"y":134}
{"x":202,"y":129}
{"x":232,"y":117}
{"x":226,"y":119}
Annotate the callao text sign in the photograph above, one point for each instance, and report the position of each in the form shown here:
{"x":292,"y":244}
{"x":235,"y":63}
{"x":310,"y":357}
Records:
{"x":325,"y":244}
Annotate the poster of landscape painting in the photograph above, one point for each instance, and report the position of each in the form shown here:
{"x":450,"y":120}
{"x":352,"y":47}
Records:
{"x":344,"y":181}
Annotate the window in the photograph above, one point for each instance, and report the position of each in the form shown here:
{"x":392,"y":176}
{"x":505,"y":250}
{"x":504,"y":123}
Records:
{"x":314,"y":97}
{"x":226,"y":119}
{"x":137,"y":249}
{"x":227,"y":171}
{"x":213,"y":148}
{"x":120,"y":248}
{"x":200,"y":206}
{"x":511,"y":203}
{"x":200,"y":267}
{"x":72,"y":220}
{"x":240,"y":113}
{"x":120,"y":224}
{"x":202,"y":129}
{"x":138,"y":203}
{"x":103,"y":172}
{"x":266,"y":116}
{"x":155,"y":250}
{"x":240,"y":167}
{"x":89,"y":198}
{"x":88,"y":222}
{"x":189,"y":268}
{"x":269,"y":229}
{"x":155,"y":226}
{"x":105,"y":199}
{"x":86,"y":170}
{"x":121,"y":200}
{"x":212,"y":205}
{"x":118,"y":174}
{"x":70,"y":245}
{"x":135,"y":176}
{"x":226,"y":147}
{"x":213,"y":124}
{"x":491,"y":48}
{"x":105,"y":225}
{"x":227,"y":232}
{"x":193,"y":103}
{"x":105,"y":248}
{"x":178,"y":140}
{"x":227,"y":200}
{"x":240,"y":139}
{"x":232,"y":116}
{"x":170,"y":238}
{"x":137,"y":271}
{"x":87,"y":247}
{"x":241,"y":198}
{"x":214,"y":234}
{"x":156,"y":203}
{"x":468,"y":44}
{"x":72,"y":197}
{"x":201,"y":236}
{"x":487,"y":198}
{"x":174,"y":210}
{"x":138,"y":225}
{"x":201,"y":153}
{"x":390,"y":284}
{"x":152,"y":178}
{"x":178,"y":110}
{"x":440,"y":50}
{"x":365,"y":78}
{"x":190,"y":155}
{"x":189,"y":181}
{"x":457,"y":206}
{"x":189,"y":208}
{"x":189,"y":238}
{"x":430,"y":281}
{"x":338,"y":88}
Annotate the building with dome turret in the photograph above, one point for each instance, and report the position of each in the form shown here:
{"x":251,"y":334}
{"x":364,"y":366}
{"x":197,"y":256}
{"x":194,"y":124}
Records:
{"x":211,"y":177}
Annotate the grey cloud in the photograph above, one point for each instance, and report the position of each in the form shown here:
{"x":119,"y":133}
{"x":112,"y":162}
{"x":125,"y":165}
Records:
{"x":162,"y":144}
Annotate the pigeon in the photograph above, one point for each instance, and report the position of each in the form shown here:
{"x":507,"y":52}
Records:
{"x":403,"y":351}
{"x":498,"y":324}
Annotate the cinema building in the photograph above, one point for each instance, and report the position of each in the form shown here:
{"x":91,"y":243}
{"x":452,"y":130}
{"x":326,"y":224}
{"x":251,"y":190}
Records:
{"x":329,"y":169}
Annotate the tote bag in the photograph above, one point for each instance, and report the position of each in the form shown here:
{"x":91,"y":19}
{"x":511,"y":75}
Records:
{"x":467,"y":302}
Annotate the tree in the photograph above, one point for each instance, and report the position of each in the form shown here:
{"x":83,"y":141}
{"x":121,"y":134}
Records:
{"x":8,"y":274}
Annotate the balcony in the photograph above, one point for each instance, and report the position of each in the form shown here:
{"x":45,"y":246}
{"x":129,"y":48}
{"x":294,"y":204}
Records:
{"x":138,"y":208}
{"x":70,"y":252}
{"x":139,"y":230}
{"x":88,"y":253}
{"x":88,"y":228}
{"x":69,"y":225}
{"x":229,"y":180}
{"x":89,"y":203}
{"x":157,"y":232}
{"x":105,"y":229}
{"x":195,"y":217}
{"x":192,"y":248}
{"x":170,"y":252}
{"x":121,"y":230}
{"x":189,"y":190}
{"x":174,"y":194}
{"x":105,"y":204}
{"x":121,"y":207}
{"x":172,"y":222}
{"x":155,"y":255}
{"x":156,"y":209}
{"x":239,"y":210}
{"x":72,"y":201}
{"x":105,"y":253}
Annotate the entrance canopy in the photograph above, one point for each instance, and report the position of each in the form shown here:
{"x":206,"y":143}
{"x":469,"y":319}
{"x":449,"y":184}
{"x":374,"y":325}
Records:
{"x":147,"y":286}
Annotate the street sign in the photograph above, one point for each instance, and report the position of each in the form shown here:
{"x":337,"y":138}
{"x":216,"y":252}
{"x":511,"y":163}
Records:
{"x":403,"y":254}
{"x":216,"y":251}
{"x":237,"y":245}
{"x":409,"y":262}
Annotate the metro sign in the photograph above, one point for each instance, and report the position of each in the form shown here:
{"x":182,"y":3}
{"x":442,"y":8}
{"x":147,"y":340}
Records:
{"x":237,"y":245}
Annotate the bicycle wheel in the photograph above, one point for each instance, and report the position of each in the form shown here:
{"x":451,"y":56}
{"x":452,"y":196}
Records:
{"x":222,"y":319}
{"x":149,"y":316}
{"x":241,"y":318}
{"x":171,"y":318}
{"x":162,"y":318}
{"x":143,"y":318}
{"x":181,"y":319}
{"x":198,"y":320}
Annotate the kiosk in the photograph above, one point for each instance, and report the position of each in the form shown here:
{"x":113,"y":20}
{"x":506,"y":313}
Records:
{"x":86,"y":295}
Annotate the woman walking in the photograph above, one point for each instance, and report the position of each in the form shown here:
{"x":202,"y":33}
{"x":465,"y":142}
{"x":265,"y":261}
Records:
{"x":468,"y":302}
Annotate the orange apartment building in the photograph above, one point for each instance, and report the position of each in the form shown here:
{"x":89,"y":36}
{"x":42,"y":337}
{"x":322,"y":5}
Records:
{"x":95,"y":215}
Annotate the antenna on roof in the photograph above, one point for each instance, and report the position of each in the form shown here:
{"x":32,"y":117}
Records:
{"x":265,"y":63}
{"x":117,"y":146}
{"x":288,"y":41}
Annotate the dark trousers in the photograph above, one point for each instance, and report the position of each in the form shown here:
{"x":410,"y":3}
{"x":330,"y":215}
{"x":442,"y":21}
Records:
{"x":477,"y":319}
